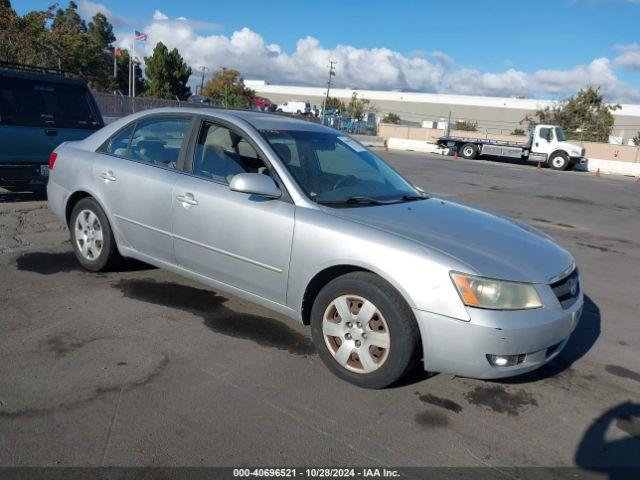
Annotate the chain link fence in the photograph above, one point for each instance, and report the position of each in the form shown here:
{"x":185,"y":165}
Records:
{"x":116,"y":106}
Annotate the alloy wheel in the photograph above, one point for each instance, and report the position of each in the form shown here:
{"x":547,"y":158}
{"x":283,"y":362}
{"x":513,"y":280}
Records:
{"x":88,"y":235}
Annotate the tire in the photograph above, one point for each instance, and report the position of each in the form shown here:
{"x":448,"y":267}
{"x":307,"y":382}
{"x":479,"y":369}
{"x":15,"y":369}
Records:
{"x":559,"y":161}
{"x":469,"y":151}
{"x":89,"y":226}
{"x":391,"y":336}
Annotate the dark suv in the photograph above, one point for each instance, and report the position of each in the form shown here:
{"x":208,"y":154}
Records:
{"x":38,"y":111}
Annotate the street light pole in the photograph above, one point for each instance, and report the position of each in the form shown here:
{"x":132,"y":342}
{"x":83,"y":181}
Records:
{"x":204,"y":69}
{"x":332,"y":72}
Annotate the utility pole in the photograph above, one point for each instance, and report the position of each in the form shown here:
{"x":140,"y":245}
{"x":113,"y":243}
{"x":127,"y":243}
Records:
{"x":204,"y":69}
{"x":332,"y":73}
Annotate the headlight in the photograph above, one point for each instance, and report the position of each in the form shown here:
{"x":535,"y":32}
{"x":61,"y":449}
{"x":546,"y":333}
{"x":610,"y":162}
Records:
{"x":494,"y":294}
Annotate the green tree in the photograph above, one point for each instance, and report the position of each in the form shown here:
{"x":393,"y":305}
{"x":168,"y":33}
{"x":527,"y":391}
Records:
{"x":167,"y":73}
{"x":357,"y":107}
{"x":466,"y":125}
{"x":636,"y":140}
{"x":391,"y":118}
{"x":336,"y":103}
{"x":518,"y":131}
{"x":585,"y":116}
{"x":227,"y":88}
{"x":100,"y":67}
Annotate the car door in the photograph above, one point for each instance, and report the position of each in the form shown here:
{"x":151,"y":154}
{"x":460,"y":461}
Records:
{"x":239,"y":239}
{"x":135,"y":171}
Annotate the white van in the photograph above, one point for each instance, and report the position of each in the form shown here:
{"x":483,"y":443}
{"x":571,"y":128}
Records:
{"x":300,"y":108}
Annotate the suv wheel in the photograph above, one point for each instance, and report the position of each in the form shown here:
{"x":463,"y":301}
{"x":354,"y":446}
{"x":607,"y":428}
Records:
{"x":92,"y":238}
{"x":364,"y":331}
{"x":559,"y":161}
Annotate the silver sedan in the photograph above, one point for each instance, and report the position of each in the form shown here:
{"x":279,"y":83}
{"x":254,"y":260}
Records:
{"x":303,"y":220}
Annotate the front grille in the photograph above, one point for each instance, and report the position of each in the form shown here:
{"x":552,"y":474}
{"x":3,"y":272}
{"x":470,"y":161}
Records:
{"x":563,"y":289}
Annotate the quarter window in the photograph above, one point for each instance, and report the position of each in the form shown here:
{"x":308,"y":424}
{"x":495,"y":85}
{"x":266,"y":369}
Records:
{"x":220,"y":154}
{"x":119,"y":143}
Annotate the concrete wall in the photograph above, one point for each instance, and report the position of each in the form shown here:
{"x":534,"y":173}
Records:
{"x":604,"y":151}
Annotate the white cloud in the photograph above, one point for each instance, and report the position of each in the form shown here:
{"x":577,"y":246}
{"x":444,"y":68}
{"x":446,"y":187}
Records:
{"x":88,"y":10}
{"x":374,"y":68}
{"x":629,"y":56}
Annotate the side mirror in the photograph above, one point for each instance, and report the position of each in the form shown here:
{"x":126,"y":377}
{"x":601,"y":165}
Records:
{"x":255,"y":184}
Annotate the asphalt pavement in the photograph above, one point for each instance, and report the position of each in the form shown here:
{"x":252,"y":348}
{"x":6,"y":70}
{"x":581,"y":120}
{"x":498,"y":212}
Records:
{"x":142,"y":367}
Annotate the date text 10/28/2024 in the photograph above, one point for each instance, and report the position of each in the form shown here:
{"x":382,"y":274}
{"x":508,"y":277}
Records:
{"x":316,"y":472}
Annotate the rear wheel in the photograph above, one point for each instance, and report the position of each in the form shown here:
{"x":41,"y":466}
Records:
{"x":364,"y":331}
{"x":92,"y":238}
{"x":559,"y":161}
{"x":469,"y":150}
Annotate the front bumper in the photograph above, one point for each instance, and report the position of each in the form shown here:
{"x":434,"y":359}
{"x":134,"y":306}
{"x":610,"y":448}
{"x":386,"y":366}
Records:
{"x":578,"y":160}
{"x":461,"y":348}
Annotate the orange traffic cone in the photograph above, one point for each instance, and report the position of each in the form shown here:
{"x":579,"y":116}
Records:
{"x":598,"y":173}
{"x":638,"y":179}
{"x":386,"y":147}
{"x":538,"y":167}
{"x":455,"y":154}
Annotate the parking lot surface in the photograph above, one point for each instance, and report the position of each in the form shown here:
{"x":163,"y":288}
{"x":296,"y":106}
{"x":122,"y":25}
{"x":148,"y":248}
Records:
{"x":142,"y":367}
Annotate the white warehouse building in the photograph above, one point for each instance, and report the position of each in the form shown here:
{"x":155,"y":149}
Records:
{"x":493,"y":114}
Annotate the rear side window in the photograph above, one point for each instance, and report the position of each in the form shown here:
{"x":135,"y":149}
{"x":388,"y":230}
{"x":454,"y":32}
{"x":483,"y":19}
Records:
{"x":158,"y":140}
{"x":27,"y":102}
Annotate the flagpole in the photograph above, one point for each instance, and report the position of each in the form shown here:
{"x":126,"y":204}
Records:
{"x":115,"y":66}
{"x":133,"y":76}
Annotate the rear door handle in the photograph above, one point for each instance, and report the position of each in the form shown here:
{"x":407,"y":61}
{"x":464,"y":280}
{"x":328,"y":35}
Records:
{"x":108,"y":176}
{"x":187,"y":199}
{"x":50,"y":131}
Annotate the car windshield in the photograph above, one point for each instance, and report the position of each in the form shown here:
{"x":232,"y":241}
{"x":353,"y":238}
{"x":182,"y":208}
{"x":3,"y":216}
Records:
{"x":559,"y":134}
{"x":336,"y":170}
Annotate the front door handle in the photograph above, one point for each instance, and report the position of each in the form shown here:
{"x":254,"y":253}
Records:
{"x":187,"y":199}
{"x":108,"y":176}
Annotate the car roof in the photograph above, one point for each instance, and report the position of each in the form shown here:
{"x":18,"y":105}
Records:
{"x":42,"y":77}
{"x":258,"y":120}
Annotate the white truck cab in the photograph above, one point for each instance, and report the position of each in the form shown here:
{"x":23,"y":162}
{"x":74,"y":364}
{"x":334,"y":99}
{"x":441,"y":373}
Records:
{"x":546,"y":145}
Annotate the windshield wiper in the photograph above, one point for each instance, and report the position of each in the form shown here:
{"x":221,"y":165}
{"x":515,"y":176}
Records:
{"x":354,"y":201}
{"x":410,"y":197}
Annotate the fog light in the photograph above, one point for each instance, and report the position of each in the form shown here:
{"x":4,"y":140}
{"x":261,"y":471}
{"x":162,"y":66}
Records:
{"x":505,"y":360}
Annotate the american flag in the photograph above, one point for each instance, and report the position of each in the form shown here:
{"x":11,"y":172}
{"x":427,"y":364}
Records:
{"x":141,"y":37}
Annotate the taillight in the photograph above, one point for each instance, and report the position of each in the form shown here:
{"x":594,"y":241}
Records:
{"x":52,"y":160}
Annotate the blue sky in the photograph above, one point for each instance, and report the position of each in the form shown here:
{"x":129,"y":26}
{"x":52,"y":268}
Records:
{"x":507,"y":42}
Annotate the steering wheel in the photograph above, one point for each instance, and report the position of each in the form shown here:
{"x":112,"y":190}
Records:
{"x":343,"y":181}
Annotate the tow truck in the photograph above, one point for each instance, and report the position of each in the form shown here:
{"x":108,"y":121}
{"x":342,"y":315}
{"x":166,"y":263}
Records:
{"x":546,"y":145}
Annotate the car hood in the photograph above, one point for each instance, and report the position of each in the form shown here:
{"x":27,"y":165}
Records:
{"x":491,"y":245}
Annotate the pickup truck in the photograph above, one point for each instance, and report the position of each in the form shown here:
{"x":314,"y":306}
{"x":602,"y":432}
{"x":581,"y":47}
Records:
{"x":546,"y":145}
{"x":39,"y":110}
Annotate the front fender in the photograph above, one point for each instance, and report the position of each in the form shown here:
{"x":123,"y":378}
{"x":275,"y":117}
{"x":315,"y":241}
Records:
{"x":322,"y":241}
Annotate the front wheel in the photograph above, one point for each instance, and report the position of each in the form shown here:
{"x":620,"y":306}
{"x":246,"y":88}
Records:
{"x":559,"y":161}
{"x":469,"y":151}
{"x":92,"y":238}
{"x":364,"y":331}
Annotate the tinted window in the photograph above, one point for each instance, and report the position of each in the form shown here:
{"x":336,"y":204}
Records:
{"x":35,"y":103}
{"x":158,"y":140}
{"x":221,"y":154}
